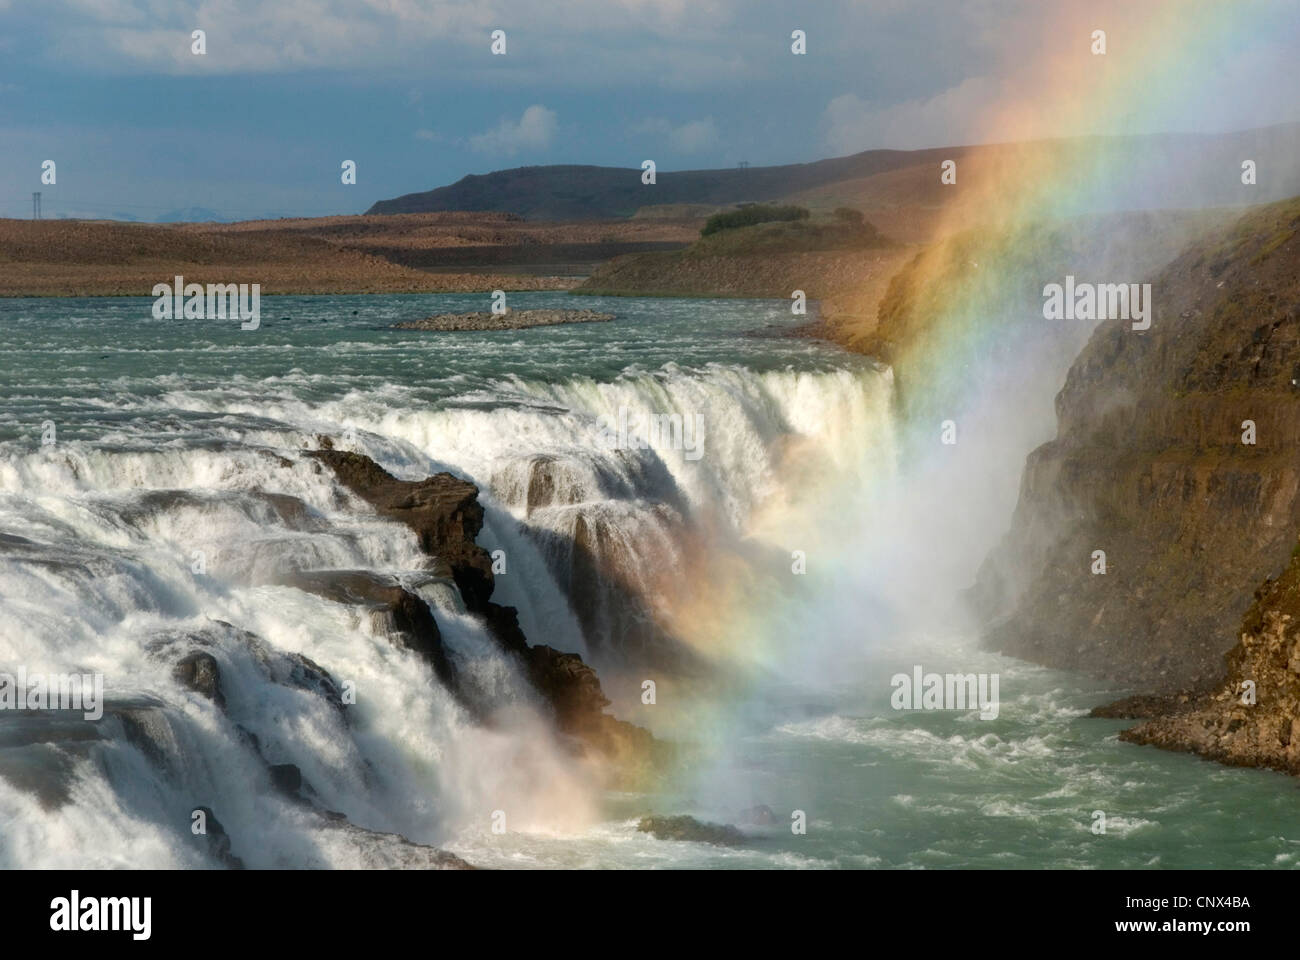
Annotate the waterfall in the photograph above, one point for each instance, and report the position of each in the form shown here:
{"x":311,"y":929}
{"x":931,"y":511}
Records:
{"x":126,"y":558}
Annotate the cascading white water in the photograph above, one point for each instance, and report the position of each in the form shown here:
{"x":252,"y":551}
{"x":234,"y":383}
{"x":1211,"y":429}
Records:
{"x":121,"y":560}
{"x":103,"y":581}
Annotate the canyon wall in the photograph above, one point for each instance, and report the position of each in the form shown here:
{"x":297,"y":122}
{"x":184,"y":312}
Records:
{"x":1149,"y":465}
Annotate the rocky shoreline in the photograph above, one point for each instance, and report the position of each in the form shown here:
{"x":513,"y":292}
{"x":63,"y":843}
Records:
{"x":1250,"y":719}
{"x":512,"y":320}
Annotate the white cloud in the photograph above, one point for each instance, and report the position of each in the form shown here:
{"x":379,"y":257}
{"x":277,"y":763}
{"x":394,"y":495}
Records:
{"x":958,"y":115}
{"x":534,"y":130}
{"x":290,"y":35}
{"x":691,"y":137}
{"x":694,"y":136}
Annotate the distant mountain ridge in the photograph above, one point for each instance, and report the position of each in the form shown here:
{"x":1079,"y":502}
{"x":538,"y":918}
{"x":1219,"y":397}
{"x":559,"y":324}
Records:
{"x":1159,"y":171}
{"x":574,"y":192}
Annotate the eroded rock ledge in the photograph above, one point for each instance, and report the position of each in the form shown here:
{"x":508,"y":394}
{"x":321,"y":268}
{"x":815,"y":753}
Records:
{"x":446,"y":516}
{"x":1232,"y":723}
{"x":443,"y":510}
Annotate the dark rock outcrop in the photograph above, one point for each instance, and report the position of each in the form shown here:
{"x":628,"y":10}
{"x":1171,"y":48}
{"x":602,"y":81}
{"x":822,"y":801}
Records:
{"x":574,"y":690}
{"x":287,"y":778}
{"x":217,"y":840}
{"x":570,"y":685}
{"x":443,"y":510}
{"x":200,"y":672}
{"x":445,"y":514}
{"x":688,"y":828}
{"x":1143,"y":705}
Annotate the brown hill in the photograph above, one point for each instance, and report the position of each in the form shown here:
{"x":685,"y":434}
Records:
{"x":768,"y":259}
{"x":572,"y":192}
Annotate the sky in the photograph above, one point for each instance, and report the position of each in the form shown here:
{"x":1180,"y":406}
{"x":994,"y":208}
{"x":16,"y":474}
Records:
{"x":139,"y":125}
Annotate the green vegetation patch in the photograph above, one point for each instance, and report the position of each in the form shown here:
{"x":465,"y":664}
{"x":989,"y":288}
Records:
{"x":748,"y":216}
{"x":799,"y":236}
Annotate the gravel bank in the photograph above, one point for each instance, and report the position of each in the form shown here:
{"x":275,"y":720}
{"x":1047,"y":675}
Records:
{"x":514,"y":320}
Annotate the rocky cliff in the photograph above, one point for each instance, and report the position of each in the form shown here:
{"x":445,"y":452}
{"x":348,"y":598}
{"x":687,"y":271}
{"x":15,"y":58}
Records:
{"x":1252,"y":717}
{"x":967,"y":311}
{"x":1176,"y":456}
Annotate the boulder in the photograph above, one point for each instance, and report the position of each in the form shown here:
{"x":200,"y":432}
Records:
{"x":199,"y":672}
{"x":688,"y":828}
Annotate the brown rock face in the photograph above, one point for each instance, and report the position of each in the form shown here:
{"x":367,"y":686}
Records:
{"x":574,"y":690}
{"x":931,"y":320}
{"x":443,"y":510}
{"x":688,"y":828}
{"x":1149,"y":465}
{"x":1233,"y":724}
{"x":445,"y":513}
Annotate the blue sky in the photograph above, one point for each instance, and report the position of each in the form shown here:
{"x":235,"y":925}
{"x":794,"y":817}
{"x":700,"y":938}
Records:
{"x":138,"y":125}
